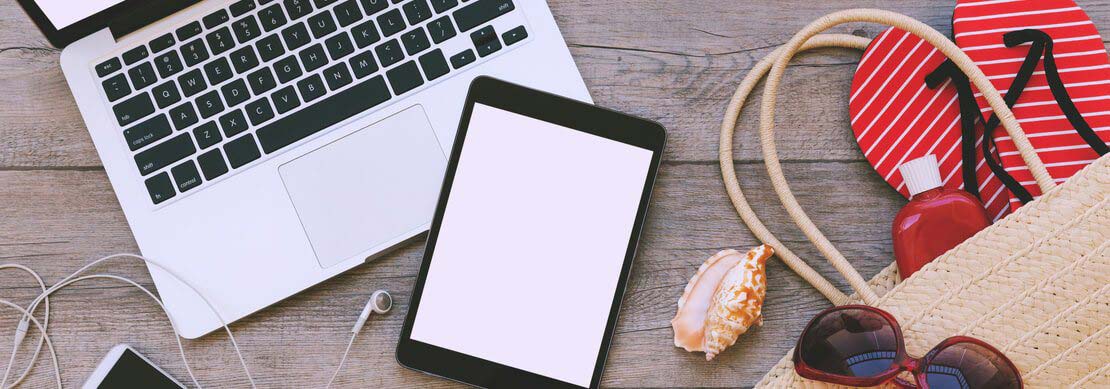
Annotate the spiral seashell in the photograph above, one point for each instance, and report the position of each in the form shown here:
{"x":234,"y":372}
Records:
{"x":737,"y":303}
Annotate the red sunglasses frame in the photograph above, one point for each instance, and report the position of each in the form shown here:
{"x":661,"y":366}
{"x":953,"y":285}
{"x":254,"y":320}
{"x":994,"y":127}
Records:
{"x":902,"y":361}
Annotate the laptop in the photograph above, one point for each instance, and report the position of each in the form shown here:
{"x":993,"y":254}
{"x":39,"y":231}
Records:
{"x":259,"y":147}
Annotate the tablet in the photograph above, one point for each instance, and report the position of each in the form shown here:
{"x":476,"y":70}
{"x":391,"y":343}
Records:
{"x":532,"y":240}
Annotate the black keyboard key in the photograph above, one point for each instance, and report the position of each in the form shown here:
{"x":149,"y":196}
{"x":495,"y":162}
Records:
{"x":365,"y":34}
{"x":116,"y":87}
{"x":441,"y":29}
{"x":192,"y":83}
{"x":347,"y":13}
{"x":272,"y":17}
{"x":404,"y":77}
{"x":287,"y":69}
{"x":259,"y":111}
{"x":244,"y":59}
{"x":434,"y":65}
{"x":314,"y":118}
{"x":142,"y":76}
{"x":321,"y":24}
{"x":480,"y":12}
{"x":166,"y":94}
{"x":188,"y":31}
{"x":270,"y":47}
{"x":235,"y":92}
{"x":391,"y":22}
{"x":194,"y":52}
{"x":133,"y":109}
{"x":220,"y":41}
{"x":415,"y":41}
{"x":295,"y":36}
{"x":337,"y":76}
{"x":324,"y":3}
{"x":164,"y":154}
{"x":374,"y":6}
{"x":212,"y":164}
{"x":135,"y":55}
{"x":442,"y":6}
{"x":168,"y":64}
{"x":183,"y":116}
{"x":242,"y":151}
{"x":285,"y":99}
{"x":297,"y":8}
{"x":311,"y":87}
{"x":363,"y":64}
{"x":417,"y":11}
{"x":215,"y":19}
{"x":186,"y":176}
{"x":218,"y":71}
{"x":233,"y":123}
{"x":147,"y":132}
{"x":515,"y":35}
{"x":160,"y":188}
{"x":241,"y":7}
{"x":462,"y":59}
{"x":108,"y":67}
{"x":246,"y":29}
{"x":207,"y":135}
{"x":313,"y":57}
{"x":389,"y":53}
{"x":339,"y":46}
{"x":209,"y":104}
{"x":162,"y":43}
{"x":262,"y":81}
{"x":485,"y":40}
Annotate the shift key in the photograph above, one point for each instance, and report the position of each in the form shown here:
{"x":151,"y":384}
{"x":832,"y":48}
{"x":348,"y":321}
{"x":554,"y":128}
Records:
{"x":480,"y":12}
{"x":165,"y":153}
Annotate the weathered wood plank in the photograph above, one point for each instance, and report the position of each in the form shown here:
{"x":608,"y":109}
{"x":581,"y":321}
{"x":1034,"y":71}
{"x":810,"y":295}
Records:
{"x":58,"y":220}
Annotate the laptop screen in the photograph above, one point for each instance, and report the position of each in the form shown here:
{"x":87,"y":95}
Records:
{"x":63,"y":13}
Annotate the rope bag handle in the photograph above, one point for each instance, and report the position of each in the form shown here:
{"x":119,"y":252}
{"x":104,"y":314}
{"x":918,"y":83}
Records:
{"x":774,"y":65}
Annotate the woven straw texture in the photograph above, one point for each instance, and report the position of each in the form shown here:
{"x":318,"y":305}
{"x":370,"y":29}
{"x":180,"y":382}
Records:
{"x":1034,"y":284}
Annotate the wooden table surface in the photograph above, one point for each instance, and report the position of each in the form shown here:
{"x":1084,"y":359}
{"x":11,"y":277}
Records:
{"x":673,"y":61}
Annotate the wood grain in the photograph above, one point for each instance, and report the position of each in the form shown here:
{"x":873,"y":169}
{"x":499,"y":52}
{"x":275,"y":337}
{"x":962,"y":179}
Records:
{"x":675,"y":62}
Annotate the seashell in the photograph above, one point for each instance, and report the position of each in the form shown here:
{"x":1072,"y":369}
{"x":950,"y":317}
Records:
{"x":738,"y":302}
{"x":690,"y":320}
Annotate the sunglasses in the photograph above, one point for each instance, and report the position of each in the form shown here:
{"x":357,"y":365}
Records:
{"x":858,"y":345}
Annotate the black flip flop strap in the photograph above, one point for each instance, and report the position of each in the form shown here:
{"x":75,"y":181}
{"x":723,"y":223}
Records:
{"x":1059,"y":90}
{"x":969,"y":113}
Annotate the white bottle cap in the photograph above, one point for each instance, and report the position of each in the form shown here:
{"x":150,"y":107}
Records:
{"x":921,"y":174}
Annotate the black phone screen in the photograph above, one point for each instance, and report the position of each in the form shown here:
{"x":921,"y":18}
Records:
{"x":132,"y":371}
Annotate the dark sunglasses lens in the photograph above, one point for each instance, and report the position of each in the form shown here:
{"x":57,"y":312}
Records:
{"x":970,"y":366}
{"x":850,"y":342}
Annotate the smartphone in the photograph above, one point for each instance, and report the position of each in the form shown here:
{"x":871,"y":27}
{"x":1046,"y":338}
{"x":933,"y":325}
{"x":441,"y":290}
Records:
{"x":124,"y":367}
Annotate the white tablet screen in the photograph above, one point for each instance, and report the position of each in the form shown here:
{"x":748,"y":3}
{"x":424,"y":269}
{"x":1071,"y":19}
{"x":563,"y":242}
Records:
{"x":63,"y":13}
{"x":531,"y":245}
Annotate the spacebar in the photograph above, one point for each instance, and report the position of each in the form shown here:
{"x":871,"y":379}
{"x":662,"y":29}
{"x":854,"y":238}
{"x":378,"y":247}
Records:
{"x":323,"y":114}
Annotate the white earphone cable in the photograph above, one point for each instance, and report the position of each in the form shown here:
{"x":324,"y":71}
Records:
{"x":44,"y":298}
{"x":72,"y":278}
{"x":21,"y":331}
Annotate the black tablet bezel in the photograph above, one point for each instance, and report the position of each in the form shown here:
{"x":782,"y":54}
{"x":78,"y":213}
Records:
{"x":558,"y":110}
{"x":99,"y":21}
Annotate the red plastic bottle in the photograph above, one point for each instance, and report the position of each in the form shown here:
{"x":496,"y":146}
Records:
{"x":936,"y":219}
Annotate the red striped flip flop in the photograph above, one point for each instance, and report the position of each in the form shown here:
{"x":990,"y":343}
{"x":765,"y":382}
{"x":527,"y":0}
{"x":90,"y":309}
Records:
{"x":896,"y":117}
{"x":1065,"y":110}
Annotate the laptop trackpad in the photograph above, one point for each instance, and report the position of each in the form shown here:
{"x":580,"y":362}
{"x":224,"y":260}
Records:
{"x":368,"y":187}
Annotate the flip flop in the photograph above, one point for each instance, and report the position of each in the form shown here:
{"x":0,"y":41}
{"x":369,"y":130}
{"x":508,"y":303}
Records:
{"x":897,"y":117}
{"x":1048,"y":59}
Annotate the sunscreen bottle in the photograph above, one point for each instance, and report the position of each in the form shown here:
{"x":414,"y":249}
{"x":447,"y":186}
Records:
{"x":935,"y":220}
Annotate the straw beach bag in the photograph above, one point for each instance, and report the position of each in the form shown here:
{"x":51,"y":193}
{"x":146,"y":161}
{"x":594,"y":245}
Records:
{"x":1036,"y":284}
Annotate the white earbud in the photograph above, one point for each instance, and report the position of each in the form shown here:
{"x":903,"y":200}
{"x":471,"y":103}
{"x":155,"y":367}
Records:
{"x":380,"y":302}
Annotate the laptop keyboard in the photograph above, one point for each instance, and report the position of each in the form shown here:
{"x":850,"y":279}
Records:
{"x":251,"y":79}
